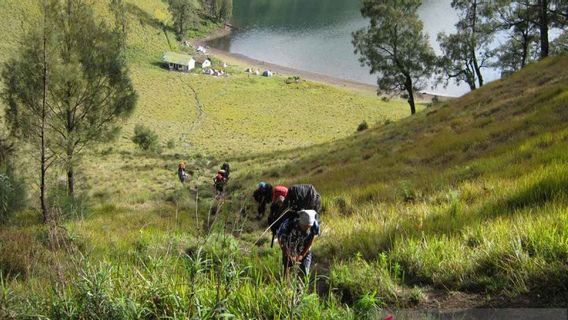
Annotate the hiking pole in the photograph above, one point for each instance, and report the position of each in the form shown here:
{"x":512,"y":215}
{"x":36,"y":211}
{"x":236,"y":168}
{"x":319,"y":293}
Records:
{"x":270,"y":226}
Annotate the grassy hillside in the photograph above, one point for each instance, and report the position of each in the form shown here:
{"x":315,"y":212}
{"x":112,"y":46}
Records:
{"x":468,"y":196}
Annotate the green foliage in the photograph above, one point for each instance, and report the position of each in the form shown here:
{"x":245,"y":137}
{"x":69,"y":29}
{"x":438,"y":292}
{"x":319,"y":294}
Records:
{"x":466,"y":52}
{"x":146,"y":138}
{"x":184,"y":15}
{"x":362,"y":126}
{"x":68,"y":206}
{"x":12,"y":194}
{"x":171,"y":144}
{"x":395,"y":46}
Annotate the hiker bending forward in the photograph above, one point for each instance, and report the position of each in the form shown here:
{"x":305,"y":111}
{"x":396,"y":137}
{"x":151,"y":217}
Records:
{"x":296,"y":236}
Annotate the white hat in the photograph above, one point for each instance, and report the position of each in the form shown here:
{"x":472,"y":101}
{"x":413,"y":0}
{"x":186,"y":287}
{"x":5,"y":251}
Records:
{"x":307,"y":217}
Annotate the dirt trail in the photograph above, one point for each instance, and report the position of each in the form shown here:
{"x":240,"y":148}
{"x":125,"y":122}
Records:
{"x":199,"y":107}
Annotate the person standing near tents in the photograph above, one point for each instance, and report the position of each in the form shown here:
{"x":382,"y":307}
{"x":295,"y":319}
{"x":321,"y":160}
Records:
{"x":296,"y":236}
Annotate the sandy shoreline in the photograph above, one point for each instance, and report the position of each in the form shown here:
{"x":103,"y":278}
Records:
{"x":246,"y":62}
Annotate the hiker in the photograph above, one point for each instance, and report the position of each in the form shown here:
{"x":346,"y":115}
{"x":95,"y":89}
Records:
{"x":227,"y":167}
{"x":182,"y":175}
{"x":296,"y":236}
{"x":279,"y":194}
{"x":219,"y":182}
{"x":263,"y":196}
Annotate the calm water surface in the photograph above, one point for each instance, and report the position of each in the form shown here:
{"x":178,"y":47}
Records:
{"x":315,"y":35}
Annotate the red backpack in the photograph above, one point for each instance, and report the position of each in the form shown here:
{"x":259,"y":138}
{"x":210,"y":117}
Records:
{"x":279,"y":191}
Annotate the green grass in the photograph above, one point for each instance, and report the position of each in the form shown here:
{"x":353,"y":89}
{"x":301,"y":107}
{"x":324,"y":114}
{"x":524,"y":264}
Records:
{"x":469,"y":195}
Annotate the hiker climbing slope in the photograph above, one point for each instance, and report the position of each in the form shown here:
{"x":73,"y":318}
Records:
{"x":279,"y":194}
{"x":263,"y":196}
{"x":219,"y":183}
{"x":182,"y":174}
{"x":296,"y":236}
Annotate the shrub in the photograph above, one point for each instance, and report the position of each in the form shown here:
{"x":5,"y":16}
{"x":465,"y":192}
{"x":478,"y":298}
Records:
{"x":362,"y":126}
{"x":171,"y":144}
{"x":68,"y":207}
{"x":146,"y":138}
{"x":12,"y":194}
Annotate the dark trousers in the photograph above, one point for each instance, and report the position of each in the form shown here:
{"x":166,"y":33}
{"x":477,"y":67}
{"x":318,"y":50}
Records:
{"x":304,"y":264}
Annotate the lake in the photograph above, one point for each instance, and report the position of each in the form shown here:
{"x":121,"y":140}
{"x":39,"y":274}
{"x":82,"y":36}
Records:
{"x":315,"y":35}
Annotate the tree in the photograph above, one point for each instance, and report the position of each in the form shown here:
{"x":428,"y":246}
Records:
{"x":88,"y":90}
{"x":456,"y":62}
{"x":394,"y":46}
{"x":560,"y":45}
{"x":514,"y":18}
{"x":91,"y":91}
{"x":466,"y":52}
{"x":118,"y":9}
{"x":225,"y":10}
{"x":27,"y":82}
{"x":547,"y":14}
{"x":183,"y":14}
{"x":146,"y":138}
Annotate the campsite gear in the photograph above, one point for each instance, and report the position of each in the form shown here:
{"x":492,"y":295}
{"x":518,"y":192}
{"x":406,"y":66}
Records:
{"x":303,"y":197}
{"x":227,"y":167}
{"x":296,"y":242}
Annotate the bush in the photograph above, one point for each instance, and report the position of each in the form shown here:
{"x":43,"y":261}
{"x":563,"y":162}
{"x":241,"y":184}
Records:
{"x":171,"y":144}
{"x":362,"y":126}
{"x":68,"y":207}
{"x":146,"y":138}
{"x":12,"y":194}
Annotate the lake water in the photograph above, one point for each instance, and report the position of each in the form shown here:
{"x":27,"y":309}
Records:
{"x":315,"y":35}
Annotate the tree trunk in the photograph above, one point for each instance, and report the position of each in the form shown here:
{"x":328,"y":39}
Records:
{"x":543,"y":26}
{"x":525,"y":49}
{"x":474,"y":45}
{"x":409,"y":90}
{"x":43,"y":160}
{"x":70,"y":182}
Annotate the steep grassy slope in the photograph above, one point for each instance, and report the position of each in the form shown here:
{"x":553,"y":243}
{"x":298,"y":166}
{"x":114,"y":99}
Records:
{"x":468,"y":195}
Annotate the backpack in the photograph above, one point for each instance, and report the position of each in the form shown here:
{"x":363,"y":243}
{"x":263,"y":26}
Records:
{"x":279,"y":191}
{"x":303,"y":197}
{"x":227,"y":168}
{"x":219,"y":178}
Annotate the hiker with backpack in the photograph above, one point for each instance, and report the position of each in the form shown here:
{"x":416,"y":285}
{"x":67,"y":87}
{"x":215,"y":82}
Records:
{"x":219,"y":182}
{"x":182,"y":175}
{"x":296,"y":236}
{"x":279,"y":194}
{"x":263,"y":196}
